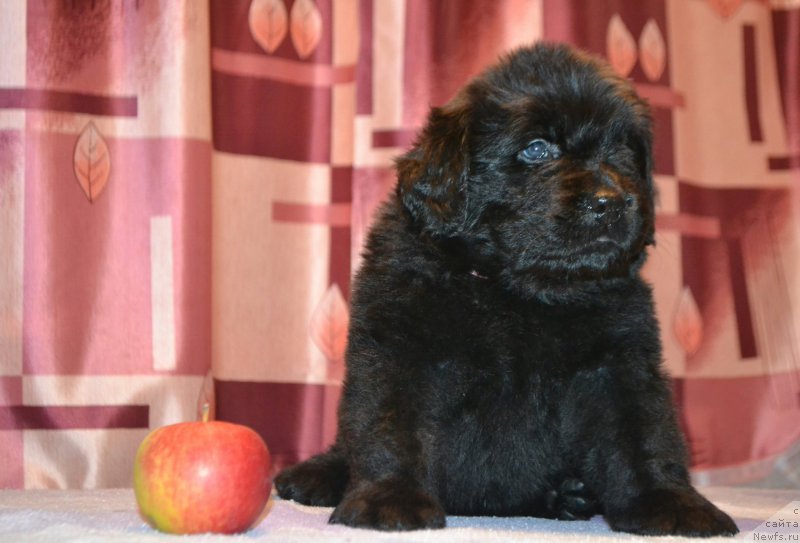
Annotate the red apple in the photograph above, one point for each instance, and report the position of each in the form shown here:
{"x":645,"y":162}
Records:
{"x":196,"y":477}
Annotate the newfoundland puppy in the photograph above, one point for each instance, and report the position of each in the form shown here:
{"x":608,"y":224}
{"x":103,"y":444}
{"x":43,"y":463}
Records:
{"x":504,"y":356}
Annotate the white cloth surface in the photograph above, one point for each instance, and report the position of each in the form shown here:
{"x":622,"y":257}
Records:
{"x":88,"y":516}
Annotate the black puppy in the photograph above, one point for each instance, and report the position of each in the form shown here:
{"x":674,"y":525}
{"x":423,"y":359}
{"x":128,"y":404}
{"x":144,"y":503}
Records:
{"x":503,"y":356}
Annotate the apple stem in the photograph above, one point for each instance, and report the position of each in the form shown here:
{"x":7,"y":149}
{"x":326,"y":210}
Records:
{"x":205,"y":411}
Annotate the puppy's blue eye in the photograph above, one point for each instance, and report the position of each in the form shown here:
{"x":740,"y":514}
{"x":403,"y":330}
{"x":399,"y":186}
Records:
{"x":539,"y":150}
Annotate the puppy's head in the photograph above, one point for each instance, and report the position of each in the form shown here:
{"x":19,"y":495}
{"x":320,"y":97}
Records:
{"x":537,"y":173}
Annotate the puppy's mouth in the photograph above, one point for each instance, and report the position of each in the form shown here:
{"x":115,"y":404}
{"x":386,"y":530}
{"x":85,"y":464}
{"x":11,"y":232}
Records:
{"x":600,"y":246}
{"x":608,"y":242}
{"x":586,"y":234}
{"x":602,"y":251}
{"x":605,"y":239}
{"x":582,"y":252}
{"x":597,"y":257}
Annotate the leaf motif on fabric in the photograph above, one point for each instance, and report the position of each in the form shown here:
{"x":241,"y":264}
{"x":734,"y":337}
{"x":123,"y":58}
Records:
{"x":652,"y":51}
{"x":306,"y":27}
{"x":91,"y":162}
{"x":268,"y":22}
{"x":620,"y":46}
{"x":688,"y":323}
{"x":329,"y":322}
{"x":725,"y":8}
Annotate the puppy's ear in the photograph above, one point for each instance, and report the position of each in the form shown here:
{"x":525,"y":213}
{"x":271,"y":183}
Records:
{"x":432,"y":176}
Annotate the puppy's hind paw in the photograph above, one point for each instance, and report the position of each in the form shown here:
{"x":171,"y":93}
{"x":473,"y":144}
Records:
{"x":672,"y":512}
{"x":571,"y":501}
{"x":389,"y":504}
{"x":319,"y":481}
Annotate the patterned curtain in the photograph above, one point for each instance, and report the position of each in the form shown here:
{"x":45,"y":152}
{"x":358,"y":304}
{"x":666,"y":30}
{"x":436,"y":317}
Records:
{"x":185,"y":186}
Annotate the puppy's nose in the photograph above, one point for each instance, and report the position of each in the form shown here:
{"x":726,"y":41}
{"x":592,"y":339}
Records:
{"x":599,"y":205}
{"x":608,"y":202}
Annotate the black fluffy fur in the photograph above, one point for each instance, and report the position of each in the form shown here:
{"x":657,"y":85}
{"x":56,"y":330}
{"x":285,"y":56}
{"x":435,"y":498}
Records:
{"x":504,"y":356}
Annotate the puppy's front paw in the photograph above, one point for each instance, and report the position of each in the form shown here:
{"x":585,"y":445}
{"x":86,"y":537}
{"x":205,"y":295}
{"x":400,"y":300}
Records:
{"x":390,"y":504}
{"x":671,"y":512}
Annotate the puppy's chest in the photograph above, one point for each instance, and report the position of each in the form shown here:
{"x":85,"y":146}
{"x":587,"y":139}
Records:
{"x":510,"y":366}
{"x":527,"y":341}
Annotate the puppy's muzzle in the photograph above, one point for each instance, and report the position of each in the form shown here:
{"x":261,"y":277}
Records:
{"x":607,"y":214}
